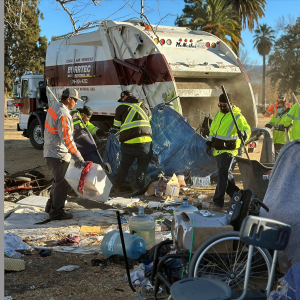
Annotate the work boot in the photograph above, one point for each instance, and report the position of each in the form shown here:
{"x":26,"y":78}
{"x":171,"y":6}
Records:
{"x":215,"y":208}
{"x":47,"y":209}
{"x":64,"y":216}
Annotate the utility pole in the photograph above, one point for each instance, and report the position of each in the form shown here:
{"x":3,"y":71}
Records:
{"x":142,"y":7}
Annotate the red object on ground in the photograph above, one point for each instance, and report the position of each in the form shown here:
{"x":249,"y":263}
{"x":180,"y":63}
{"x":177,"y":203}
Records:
{"x":83,"y":175}
{"x":69,"y":240}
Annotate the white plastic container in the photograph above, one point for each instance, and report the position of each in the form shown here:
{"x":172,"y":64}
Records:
{"x":143,"y":226}
{"x":97,"y":185}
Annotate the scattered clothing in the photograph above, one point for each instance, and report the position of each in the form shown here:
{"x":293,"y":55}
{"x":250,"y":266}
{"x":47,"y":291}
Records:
{"x":45,"y":253}
{"x":69,"y":240}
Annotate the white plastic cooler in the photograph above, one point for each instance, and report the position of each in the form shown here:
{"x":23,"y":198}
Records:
{"x":97,"y":185}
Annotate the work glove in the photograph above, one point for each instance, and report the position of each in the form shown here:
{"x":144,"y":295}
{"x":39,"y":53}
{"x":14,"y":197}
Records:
{"x":208,"y":148}
{"x":243,"y":135}
{"x":279,"y":127}
{"x":113,"y":130}
{"x":79,"y":162}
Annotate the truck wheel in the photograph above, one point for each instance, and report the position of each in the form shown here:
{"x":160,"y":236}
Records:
{"x":36,"y":135}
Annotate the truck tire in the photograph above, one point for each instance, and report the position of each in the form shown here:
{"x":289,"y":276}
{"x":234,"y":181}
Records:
{"x":36,"y":135}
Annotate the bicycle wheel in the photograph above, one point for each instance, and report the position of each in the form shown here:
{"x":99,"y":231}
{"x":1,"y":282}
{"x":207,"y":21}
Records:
{"x":224,"y":257}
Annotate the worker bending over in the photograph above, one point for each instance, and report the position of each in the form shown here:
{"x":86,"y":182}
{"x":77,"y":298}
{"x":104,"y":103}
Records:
{"x":132,"y":118}
{"x":84,"y":131}
{"x":279,"y":135}
{"x":273,"y":109}
{"x":58,"y":142}
{"x":293,"y":116}
{"x":224,"y":140}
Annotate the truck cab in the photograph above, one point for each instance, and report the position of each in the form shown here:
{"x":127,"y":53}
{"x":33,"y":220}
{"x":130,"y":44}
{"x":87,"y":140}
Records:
{"x":28,"y":91}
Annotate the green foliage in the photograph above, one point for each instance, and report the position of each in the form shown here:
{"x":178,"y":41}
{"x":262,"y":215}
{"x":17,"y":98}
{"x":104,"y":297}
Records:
{"x":263,"y":39}
{"x":284,"y":61}
{"x":249,"y":11}
{"x":24,"y":48}
{"x":213,"y":16}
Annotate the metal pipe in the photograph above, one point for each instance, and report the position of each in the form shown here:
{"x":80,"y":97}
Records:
{"x":247,"y":272}
{"x":125,"y":256}
{"x":52,"y":94}
{"x":234,"y":120}
{"x":155,"y":258}
{"x":272,"y":273}
{"x":125,"y":64}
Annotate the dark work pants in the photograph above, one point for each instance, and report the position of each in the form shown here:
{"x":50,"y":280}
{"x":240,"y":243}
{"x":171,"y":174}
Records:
{"x":277,"y":148}
{"x":59,"y":190}
{"x":226,"y":163}
{"x":129,"y":152}
{"x":93,"y":157}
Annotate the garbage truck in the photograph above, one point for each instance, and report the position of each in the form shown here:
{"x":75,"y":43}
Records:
{"x":155,"y":63}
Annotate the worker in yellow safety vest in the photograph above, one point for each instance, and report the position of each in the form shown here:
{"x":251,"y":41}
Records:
{"x":85,"y":141}
{"x":224,"y":140}
{"x":279,"y":135}
{"x":132,"y":118}
{"x":293,"y":116}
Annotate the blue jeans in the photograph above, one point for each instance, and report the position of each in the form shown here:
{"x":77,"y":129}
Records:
{"x":226,"y":184}
{"x":129,"y":152}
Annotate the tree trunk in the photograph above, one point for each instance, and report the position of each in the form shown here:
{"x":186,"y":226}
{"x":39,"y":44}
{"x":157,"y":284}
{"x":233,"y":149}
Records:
{"x":5,"y":103}
{"x":263,"y":100}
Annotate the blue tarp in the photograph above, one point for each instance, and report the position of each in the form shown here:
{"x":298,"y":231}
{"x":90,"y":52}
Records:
{"x":177,"y":148}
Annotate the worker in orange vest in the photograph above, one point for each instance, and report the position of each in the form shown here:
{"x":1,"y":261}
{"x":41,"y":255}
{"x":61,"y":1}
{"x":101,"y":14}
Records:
{"x":273,"y":109}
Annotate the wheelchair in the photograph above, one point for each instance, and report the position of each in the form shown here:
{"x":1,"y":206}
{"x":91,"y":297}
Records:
{"x":223,"y":257}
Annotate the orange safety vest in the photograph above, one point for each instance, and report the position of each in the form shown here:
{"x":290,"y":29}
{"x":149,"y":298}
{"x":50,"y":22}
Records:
{"x":272,"y":110}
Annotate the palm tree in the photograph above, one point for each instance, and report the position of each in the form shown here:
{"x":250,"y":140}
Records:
{"x":216,"y":17}
{"x":249,"y":12}
{"x":263,"y":41}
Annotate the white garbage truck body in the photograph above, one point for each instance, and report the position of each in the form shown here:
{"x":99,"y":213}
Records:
{"x":156,"y":64}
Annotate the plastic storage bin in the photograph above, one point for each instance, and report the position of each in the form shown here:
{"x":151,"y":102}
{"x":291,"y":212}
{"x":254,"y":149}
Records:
{"x":111,"y":245}
{"x":143,"y":226}
{"x":97,"y":185}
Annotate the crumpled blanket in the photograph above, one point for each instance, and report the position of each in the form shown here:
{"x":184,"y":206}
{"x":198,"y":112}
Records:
{"x":83,"y":175}
{"x":69,"y":240}
{"x":283,"y":193}
{"x":289,"y":285}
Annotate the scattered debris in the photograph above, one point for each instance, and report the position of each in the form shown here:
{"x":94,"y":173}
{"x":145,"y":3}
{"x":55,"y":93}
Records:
{"x":69,"y":240}
{"x":68,"y":268}
{"x":12,"y":264}
{"x":34,"y":201}
{"x":123,"y":202}
{"x":90,"y":229}
{"x":13,"y":242}
{"x":45,"y":253}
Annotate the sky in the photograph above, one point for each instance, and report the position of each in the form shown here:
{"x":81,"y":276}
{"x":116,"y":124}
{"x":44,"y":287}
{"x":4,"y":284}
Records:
{"x":56,"y":21}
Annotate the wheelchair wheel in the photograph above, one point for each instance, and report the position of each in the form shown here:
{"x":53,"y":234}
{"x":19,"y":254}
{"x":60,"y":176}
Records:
{"x":224,"y":257}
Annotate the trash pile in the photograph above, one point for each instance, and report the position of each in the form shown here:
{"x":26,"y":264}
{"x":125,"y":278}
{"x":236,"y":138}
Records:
{"x":181,"y":153}
{"x":25,"y":183}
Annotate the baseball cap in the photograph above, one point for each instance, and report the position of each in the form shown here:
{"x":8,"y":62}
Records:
{"x":124,"y":93}
{"x":71,"y":93}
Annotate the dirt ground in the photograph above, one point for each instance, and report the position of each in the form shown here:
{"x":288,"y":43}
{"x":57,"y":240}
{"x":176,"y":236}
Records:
{"x":40,"y":280}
